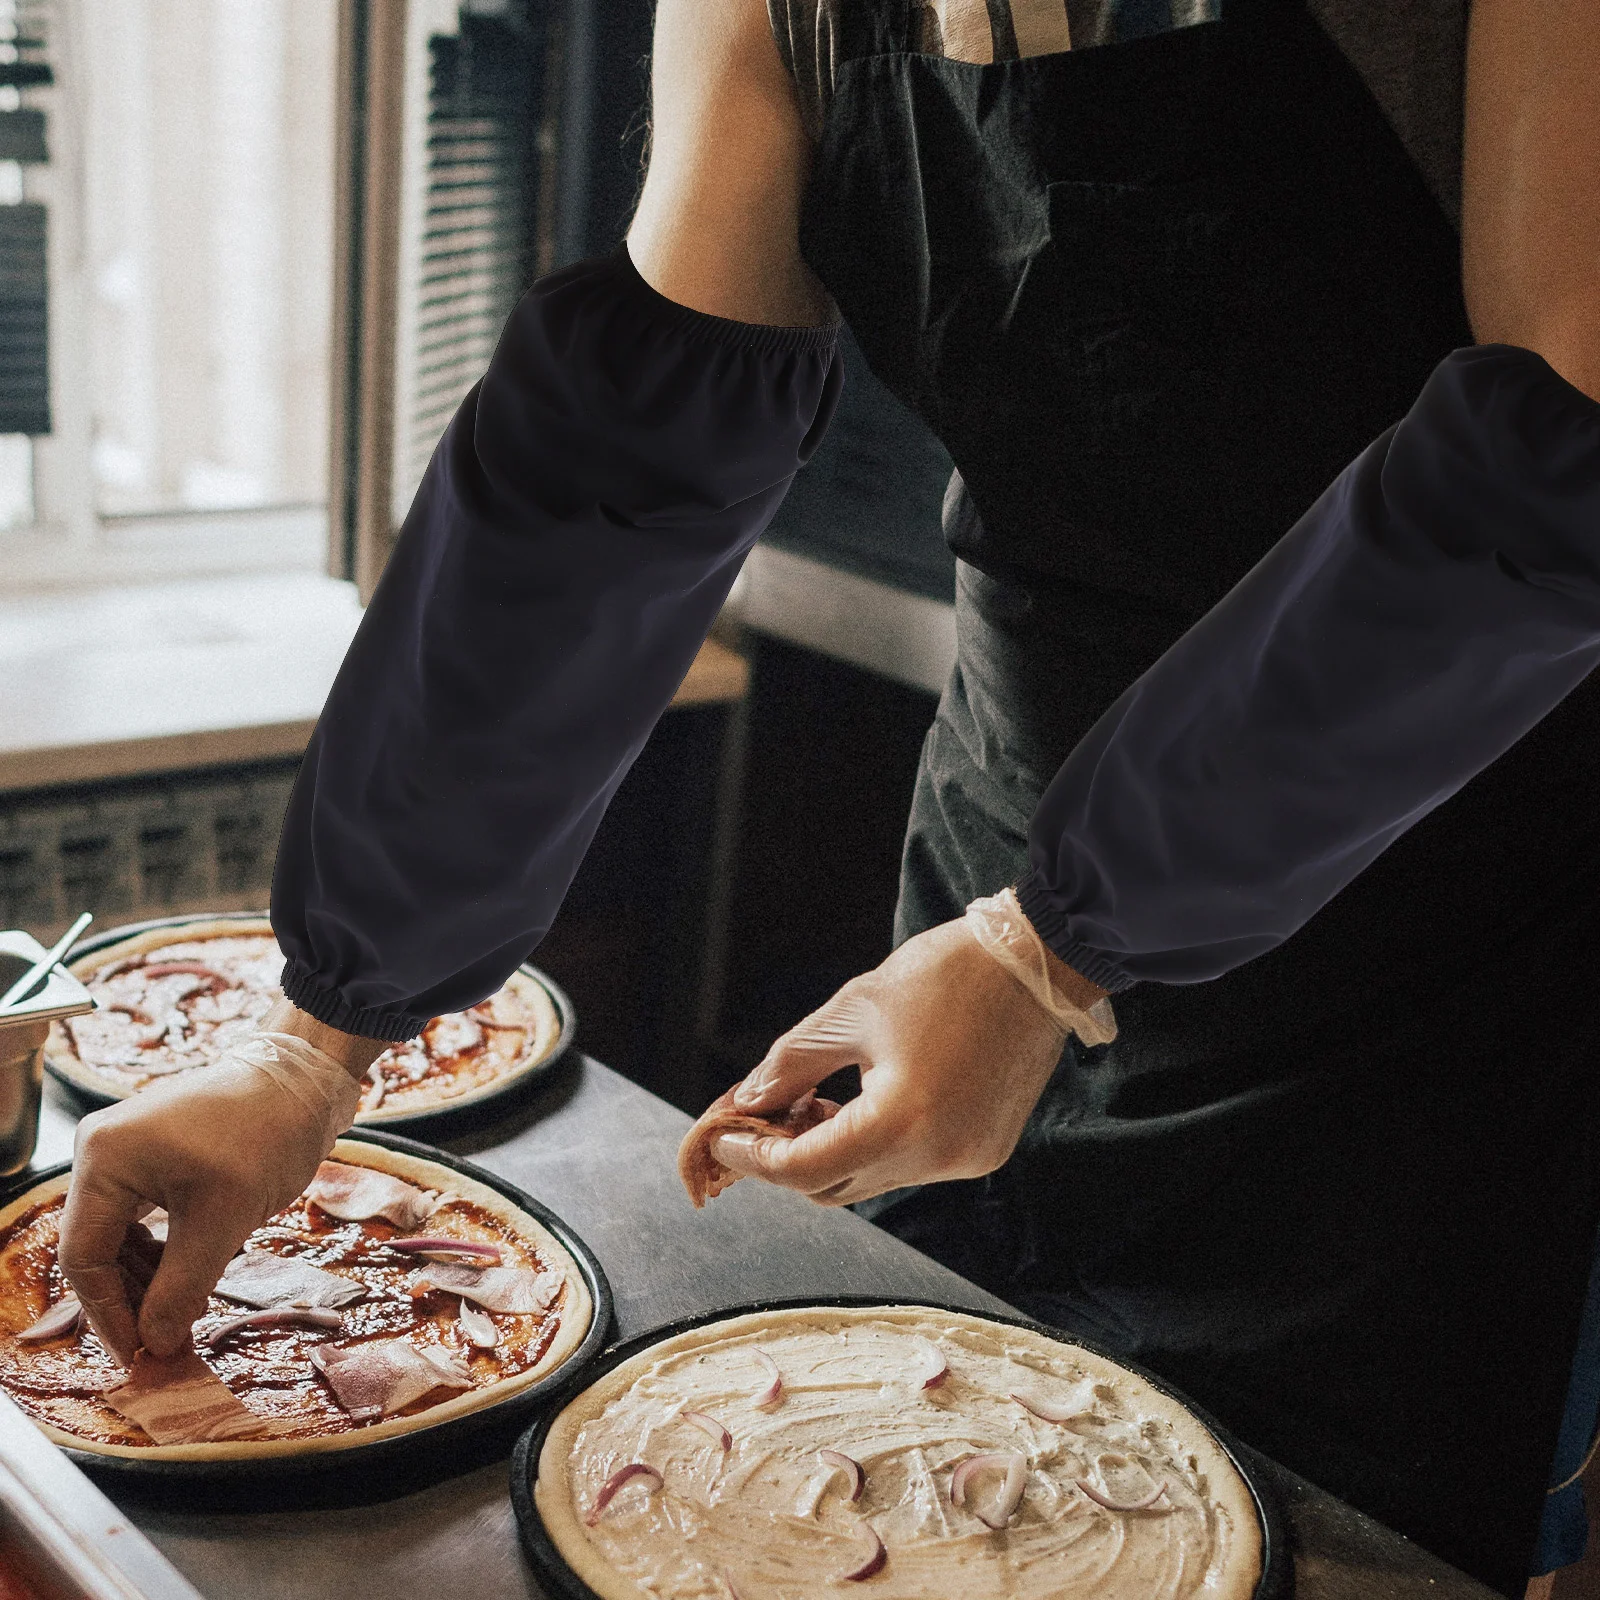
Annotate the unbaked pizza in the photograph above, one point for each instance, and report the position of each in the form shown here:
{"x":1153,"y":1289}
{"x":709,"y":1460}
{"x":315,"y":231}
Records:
{"x":789,"y":1454}
{"x":172,"y":999}
{"x":393,"y":1295}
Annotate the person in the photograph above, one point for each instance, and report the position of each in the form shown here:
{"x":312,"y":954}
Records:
{"x":1157,"y":294}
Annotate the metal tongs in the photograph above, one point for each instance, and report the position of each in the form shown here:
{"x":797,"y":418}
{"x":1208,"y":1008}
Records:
{"x":39,"y":973}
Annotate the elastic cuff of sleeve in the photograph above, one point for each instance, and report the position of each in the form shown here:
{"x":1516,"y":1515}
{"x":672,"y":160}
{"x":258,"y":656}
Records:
{"x":701,"y":325}
{"x":1050,"y":923}
{"x":330,"y":1007}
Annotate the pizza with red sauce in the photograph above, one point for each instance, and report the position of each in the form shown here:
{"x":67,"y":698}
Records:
{"x":172,"y":999}
{"x":393,"y":1295}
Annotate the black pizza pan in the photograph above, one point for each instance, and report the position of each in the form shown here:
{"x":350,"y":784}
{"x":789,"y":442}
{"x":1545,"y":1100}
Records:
{"x":1277,"y":1566}
{"x":454,"y":1116}
{"x":382,"y":1470}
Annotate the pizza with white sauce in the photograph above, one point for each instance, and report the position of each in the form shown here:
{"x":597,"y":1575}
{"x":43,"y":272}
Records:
{"x":790,"y":1454}
{"x":172,"y":999}
{"x":393,"y":1295}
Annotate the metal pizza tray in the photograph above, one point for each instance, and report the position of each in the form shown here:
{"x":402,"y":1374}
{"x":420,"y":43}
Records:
{"x":66,"y":1538}
{"x":392,"y":1466}
{"x":1277,"y":1566}
{"x":455,"y":1116}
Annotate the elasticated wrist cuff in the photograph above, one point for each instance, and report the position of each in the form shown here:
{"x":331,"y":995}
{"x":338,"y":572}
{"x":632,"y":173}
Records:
{"x":1050,"y":923}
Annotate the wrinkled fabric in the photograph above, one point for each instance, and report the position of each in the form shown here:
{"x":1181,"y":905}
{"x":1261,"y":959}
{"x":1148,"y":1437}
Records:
{"x":571,"y":543}
{"x":1564,"y":1528}
{"x":1155,"y":298}
{"x":1438,"y":600}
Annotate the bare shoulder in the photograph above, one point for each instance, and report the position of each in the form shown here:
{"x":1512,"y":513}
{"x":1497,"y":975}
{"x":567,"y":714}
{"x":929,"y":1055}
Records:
{"x":718,"y":220}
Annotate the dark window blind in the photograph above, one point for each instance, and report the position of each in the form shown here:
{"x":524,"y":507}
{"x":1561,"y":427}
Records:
{"x":24,"y":349}
{"x":488,"y":141}
{"x":24,"y":303}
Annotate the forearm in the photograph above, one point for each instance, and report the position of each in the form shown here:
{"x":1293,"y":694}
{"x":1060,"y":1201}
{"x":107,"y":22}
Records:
{"x":1530,"y":226}
{"x":572,"y":541}
{"x":1436,"y":603}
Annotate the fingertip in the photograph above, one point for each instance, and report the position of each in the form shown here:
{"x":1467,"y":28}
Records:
{"x":161,"y":1337}
{"x":737,"y":1152}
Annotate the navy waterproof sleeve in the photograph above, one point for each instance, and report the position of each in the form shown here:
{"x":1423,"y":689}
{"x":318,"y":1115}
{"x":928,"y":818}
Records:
{"x":1438,"y":601}
{"x":576,"y":533}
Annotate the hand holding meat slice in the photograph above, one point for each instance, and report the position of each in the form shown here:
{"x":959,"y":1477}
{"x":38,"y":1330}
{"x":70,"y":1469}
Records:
{"x":954,"y":1053}
{"x":220,"y":1149}
{"x":704,"y":1176}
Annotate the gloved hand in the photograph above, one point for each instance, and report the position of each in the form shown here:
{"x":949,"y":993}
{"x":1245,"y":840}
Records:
{"x":221,"y":1149}
{"x":954,"y":1052}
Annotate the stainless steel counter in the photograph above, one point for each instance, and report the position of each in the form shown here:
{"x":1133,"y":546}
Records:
{"x":600,"y":1151}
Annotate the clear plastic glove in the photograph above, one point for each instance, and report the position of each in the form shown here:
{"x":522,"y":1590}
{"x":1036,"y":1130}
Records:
{"x":954,"y":1053}
{"x":221,"y":1149}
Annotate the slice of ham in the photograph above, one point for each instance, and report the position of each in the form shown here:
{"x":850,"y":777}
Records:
{"x":180,"y":1400}
{"x":703,"y":1175}
{"x":517,"y":1291}
{"x":380,"y":1378}
{"x":358,"y":1194}
{"x":259,"y":1278}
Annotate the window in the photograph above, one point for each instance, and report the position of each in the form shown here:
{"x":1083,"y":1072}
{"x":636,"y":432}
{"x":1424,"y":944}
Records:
{"x":185,"y":221}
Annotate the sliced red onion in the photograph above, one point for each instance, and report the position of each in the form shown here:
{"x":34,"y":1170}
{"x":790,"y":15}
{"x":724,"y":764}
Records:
{"x":477,"y":1325}
{"x":938,"y":1368}
{"x":61,"y":1318}
{"x":618,"y":1480}
{"x":437,"y":1248}
{"x":858,"y":1478}
{"x":873,"y":1562}
{"x":194,"y":969}
{"x":709,"y":1425}
{"x":274,"y":1316}
{"x":1046,"y":1410}
{"x":1016,"y":1481}
{"x":1121,"y":1505}
{"x":773,"y":1392}
{"x":733,"y":1588}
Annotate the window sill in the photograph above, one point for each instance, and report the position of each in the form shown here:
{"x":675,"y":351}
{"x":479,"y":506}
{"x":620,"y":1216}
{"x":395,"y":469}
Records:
{"x":161,"y":677}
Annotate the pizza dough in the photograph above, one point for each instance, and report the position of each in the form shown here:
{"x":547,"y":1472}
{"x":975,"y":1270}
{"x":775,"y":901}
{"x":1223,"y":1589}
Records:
{"x":172,"y":999}
{"x":62,"y":1382}
{"x":769,"y":1518}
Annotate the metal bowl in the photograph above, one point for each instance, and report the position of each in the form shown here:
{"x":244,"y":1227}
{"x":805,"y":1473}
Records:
{"x":1277,"y":1568}
{"x":385,"y":1469}
{"x":489,"y":1100}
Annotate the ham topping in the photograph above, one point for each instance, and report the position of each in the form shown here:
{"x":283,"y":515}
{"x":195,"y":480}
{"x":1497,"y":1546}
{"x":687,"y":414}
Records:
{"x":259,"y":1278}
{"x":380,"y":1378}
{"x":519,"y":1291}
{"x":358,"y":1194}
{"x":703,"y":1175}
{"x":180,"y":1400}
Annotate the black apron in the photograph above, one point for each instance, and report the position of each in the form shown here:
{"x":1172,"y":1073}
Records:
{"x":1152,"y":297}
